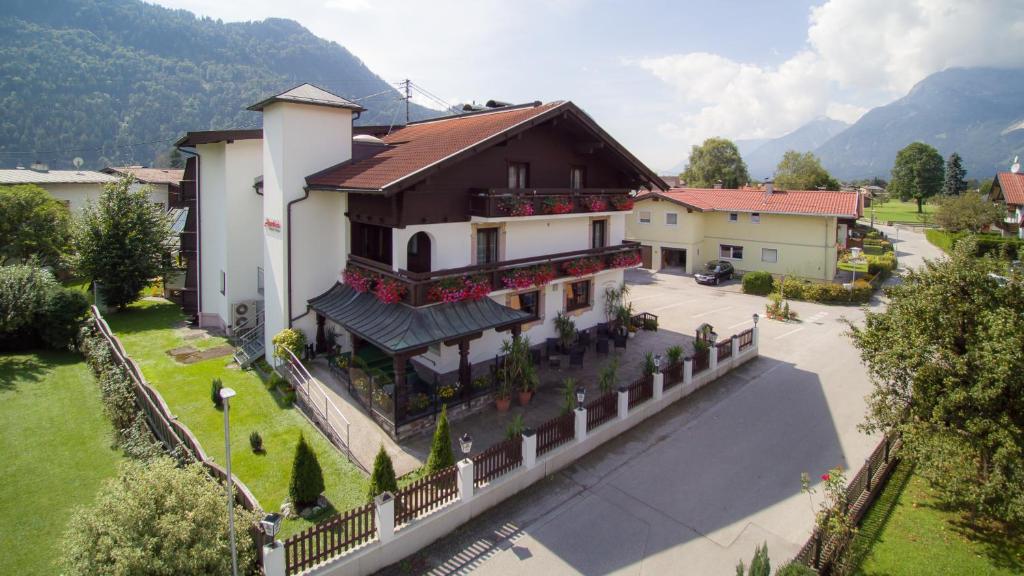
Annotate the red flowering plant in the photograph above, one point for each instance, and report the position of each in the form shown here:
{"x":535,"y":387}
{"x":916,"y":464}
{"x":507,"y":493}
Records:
{"x":583,"y":266}
{"x":459,"y":288}
{"x":596,"y":204}
{"x":833,"y":514}
{"x":627,"y":260}
{"x":622,"y":203}
{"x":360,"y":280}
{"x":389,"y":291}
{"x":557,"y":205}
{"x":517,"y":206}
{"x":521,"y":278}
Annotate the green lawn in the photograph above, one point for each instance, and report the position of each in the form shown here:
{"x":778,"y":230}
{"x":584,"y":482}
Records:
{"x":57,"y":451}
{"x":897,"y":211}
{"x":907,"y":532}
{"x":147,"y":331}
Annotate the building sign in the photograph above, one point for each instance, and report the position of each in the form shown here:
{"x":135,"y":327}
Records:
{"x":272,"y":225}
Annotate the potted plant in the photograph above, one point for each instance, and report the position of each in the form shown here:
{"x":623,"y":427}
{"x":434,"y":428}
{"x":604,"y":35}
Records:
{"x":515,"y":427}
{"x":606,"y":378}
{"x":518,"y":370}
{"x":566,"y":328}
{"x":675,"y":356}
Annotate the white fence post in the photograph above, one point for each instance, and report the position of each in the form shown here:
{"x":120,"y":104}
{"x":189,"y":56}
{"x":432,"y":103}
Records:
{"x":713,"y":357}
{"x":465,"y":479}
{"x":273,"y":559}
{"x":623,"y":402}
{"x":529,"y":448}
{"x":581,"y":424}
{"x":659,"y":385}
{"x":756,"y":331}
{"x":735,"y":347}
{"x":385,"y":516}
{"x":687,"y":371}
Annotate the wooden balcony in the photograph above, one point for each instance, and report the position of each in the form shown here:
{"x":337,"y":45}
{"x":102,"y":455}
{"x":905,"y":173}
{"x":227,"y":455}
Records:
{"x":417,"y":287}
{"x":513,"y":202}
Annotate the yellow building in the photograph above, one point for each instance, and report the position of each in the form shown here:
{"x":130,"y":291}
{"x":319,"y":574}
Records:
{"x":785,"y":232}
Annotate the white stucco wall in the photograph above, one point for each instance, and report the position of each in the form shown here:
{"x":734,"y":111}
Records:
{"x":450,"y":245}
{"x":526,"y":238}
{"x":213,"y":243}
{"x":77,"y":195}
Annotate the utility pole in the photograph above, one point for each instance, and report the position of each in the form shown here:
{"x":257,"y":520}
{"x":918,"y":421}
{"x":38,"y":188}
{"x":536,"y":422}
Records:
{"x":407,"y":97}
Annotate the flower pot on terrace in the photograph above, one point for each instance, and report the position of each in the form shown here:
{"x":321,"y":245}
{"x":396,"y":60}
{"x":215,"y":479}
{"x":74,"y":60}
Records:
{"x":503,"y":404}
{"x":524,"y":397}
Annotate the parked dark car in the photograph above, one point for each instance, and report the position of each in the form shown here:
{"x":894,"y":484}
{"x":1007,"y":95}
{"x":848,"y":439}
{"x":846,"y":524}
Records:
{"x":714,"y":272}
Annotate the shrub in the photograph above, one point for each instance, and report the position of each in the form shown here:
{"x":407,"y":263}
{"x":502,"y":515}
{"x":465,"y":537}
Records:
{"x":759,"y":566}
{"x":568,"y":395}
{"x":674,"y":354}
{"x":441,"y":455}
{"x":606,"y":378}
{"x":795,"y":568}
{"x":649,"y":367}
{"x":873,"y":235}
{"x":289,"y":339}
{"x":156,"y":518}
{"x":759,"y":283}
{"x":881,"y":264}
{"x":826,"y":292}
{"x":215,"y":387}
{"x":515,"y":427}
{"x":383,"y":477}
{"x":35,"y":309}
{"x":307,"y":478}
{"x":256,"y":441}
{"x":59,"y":324}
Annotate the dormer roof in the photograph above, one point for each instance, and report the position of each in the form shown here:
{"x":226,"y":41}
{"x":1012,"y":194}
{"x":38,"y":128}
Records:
{"x":308,"y":94}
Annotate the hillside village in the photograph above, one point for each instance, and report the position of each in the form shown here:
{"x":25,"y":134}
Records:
{"x":319,"y":335}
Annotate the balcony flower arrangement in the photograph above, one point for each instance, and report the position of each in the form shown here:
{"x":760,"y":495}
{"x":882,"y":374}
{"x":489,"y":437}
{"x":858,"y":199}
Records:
{"x":360,"y":280}
{"x":622,"y":203}
{"x":596,"y":204}
{"x":522,"y":278}
{"x":557,"y":205}
{"x":447,"y":391}
{"x":389,"y":291}
{"x":517,"y":206}
{"x":627,"y":260}
{"x":458,"y":289}
{"x":583,"y":266}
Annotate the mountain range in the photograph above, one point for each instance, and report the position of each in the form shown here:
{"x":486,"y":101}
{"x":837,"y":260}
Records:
{"x":976,"y":112}
{"x":117,"y":81}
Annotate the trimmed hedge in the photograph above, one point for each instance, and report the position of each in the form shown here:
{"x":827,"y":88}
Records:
{"x":986,"y":243}
{"x":825,"y":292}
{"x":759,"y":283}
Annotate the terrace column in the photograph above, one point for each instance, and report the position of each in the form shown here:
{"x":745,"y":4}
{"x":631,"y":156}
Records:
{"x":398,"y":363}
{"x":465,"y":370}
{"x":321,"y":335}
{"x":517,"y":330}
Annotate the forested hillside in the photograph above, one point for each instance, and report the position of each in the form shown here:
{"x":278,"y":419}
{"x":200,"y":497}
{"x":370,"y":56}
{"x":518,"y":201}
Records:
{"x":94,"y":78}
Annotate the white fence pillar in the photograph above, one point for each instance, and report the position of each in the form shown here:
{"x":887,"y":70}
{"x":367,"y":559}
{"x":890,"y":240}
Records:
{"x":385,"y":516}
{"x":756,"y":331}
{"x":581,"y":424}
{"x":659,"y":385}
{"x":465,"y":479}
{"x":687,"y":371}
{"x":713,"y":357}
{"x":623,"y":403}
{"x":735,"y":347}
{"x":529,"y":448}
{"x":273,"y":559}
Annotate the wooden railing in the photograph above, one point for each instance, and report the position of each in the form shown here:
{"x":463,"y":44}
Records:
{"x":746,"y":339}
{"x":426,"y":494}
{"x":322,"y":541}
{"x":701,"y":361}
{"x":418,"y":285}
{"x":514,"y":202}
{"x":497,"y":460}
{"x":673,"y":374}
{"x":724,"y":349}
{"x":602,"y":409}
{"x":175,"y":436}
{"x":641,"y":390}
{"x":555,"y":432}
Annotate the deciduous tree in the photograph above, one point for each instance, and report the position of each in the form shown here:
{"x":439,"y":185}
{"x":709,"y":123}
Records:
{"x":955,"y":184}
{"x":968,"y":211}
{"x":32,"y":224}
{"x":945,"y":360}
{"x":798,"y":171}
{"x":717,"y":159}
{"x":918,"y":174}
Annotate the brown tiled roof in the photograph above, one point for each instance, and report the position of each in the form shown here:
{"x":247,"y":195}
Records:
{"x":1012,"y":186}
{"x":809,"y":202}
{"x":149,"y":175}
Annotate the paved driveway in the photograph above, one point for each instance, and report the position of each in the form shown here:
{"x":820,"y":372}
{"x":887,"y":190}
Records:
{"x":693,"y":490}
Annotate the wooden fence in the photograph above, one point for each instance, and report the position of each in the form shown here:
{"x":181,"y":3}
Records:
{"x":555,"y":432}
{"x":673,"y":375}
{"x":701,"y":361}
{"x":426,"y":494}
{"x":724,"y":349}
{"x":821,"y":551}
{"x":497,"y":460}
{"x":640,"y":390}
{"x":322,"y":541}
{"x":602,"y":409}
{"x":746,"y":339}
{"x":175,"y":436}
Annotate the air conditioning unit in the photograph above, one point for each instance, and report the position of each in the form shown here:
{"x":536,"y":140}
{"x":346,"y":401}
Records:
{"x":244,"y":313}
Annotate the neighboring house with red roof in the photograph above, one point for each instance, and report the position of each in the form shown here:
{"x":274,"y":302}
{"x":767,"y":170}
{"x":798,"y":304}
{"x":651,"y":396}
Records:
{"x":1008,"y":190}
{"x":785,"y":232}
{"x":420,"y":247}
{"x":164,"y":183}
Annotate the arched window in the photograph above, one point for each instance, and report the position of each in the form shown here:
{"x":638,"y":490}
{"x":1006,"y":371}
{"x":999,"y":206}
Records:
{"x":418,"y":253}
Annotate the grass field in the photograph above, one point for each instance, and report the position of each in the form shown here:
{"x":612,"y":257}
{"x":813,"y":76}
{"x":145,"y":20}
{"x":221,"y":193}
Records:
{"x":56,"y":446}
{"x":897,"y":211}
{"x":147,"y":330}
{"x":907,"y":532}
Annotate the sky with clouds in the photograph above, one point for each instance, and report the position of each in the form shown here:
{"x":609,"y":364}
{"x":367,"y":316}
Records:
{"x":661,"y":75}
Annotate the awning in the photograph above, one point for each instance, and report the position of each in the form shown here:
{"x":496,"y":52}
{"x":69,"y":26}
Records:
{"x":397,"y":328}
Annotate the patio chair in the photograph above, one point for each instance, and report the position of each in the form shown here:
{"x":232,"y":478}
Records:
{"x":551,"y":347}
{"x":602,"y":329}
{"x":576,"y":356}
{"x":555,"y":361}
{"x":583,"y":338}
{"x":536,"y":355}
{"x":602,"y":346}
{"x":620,"y":340}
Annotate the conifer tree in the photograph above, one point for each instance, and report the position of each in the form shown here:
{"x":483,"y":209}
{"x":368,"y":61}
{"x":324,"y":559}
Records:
{"x":441,"y":455}
{"x":383,"y":477}
{"x":307,"y":478}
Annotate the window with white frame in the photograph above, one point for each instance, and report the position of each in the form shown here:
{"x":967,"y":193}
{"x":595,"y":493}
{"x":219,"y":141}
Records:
{"x":645,"y":216}
{"x":769,"y":255}
{"x":734,"y":217}
{"x":755,"y":217}
{"x":671,"y":218}
{"x":729,"y":252}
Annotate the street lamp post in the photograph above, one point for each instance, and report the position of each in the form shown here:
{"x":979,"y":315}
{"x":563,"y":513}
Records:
{"x":226,"y":394}
{"x":466,"y":444}
{"x":581,"y":396}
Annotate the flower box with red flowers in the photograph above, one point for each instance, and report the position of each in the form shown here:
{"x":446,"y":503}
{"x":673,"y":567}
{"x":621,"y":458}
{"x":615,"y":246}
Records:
{"x":557,"y":205}
{"x":389,"y":291}
{"x":596,"y":204}
{"x":522,"y":278}
{"x":517,"y":207}
{"x":359,"y":280}
{"x":583,"y":266}
{"x":623,"y":203}
{"x":627,"y":260}
{"x":459,"y":288}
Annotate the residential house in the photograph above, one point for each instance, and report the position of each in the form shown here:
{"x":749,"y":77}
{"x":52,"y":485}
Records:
{"x":1008,"y":190}
{"x":75,"y":188}
{"x":791,"y":232}
{"x":428,"y":244}
{"x":163,"y":183}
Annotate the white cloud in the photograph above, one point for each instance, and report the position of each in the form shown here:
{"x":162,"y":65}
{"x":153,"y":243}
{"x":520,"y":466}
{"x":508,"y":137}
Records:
{"x":860,"y":53}
{"x":348,"y":5}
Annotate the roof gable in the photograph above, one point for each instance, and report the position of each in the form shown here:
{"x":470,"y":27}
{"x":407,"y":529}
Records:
{"x":308,"y":94}
{"x":1012,"y":187}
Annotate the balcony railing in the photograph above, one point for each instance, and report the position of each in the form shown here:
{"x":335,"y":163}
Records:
{"x":421,"y":288}
{"x":512,"y":202}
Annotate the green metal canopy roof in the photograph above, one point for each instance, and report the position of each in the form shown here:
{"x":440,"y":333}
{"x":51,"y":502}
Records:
{"x":397,"y":328}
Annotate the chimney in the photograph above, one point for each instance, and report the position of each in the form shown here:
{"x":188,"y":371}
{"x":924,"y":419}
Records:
{"x":718,"y":184}
{"x":769,"y":187}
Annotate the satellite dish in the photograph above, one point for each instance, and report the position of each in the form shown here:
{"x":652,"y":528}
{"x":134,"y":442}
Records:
{"x":1016,"y":165}
{"x":78,"y":162}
